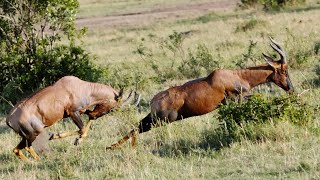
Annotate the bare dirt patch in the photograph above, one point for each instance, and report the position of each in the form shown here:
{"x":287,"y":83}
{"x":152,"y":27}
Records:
{"x":157,"y":14}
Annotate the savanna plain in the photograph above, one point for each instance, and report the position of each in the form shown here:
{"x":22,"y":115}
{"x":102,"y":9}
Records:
{"x":152,"y":45}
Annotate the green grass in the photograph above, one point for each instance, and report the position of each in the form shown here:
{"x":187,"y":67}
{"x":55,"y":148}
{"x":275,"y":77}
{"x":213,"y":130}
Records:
{"x":174,"y":151}
{"x":180,"y":150}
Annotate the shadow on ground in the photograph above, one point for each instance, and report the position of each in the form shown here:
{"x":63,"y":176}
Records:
{"x":210,"y":140}
{"x":4,"y":129}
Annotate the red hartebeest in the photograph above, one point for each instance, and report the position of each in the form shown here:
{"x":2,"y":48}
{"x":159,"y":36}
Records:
{"x":68,"y":97}
{"x":203,"y":95}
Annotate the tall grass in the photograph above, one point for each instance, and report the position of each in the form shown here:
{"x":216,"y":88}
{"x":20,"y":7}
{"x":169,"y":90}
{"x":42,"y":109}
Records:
{"x":184,"y":149}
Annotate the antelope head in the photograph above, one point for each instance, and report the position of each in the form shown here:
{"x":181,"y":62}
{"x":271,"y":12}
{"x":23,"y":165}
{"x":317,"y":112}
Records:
{"x":280,"y":75}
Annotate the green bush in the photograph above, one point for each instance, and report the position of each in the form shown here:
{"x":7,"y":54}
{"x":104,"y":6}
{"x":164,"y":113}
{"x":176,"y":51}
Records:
{"x":207,"y":17}
{"x":20,"y":78}
{"x":247,"y":57}
{"x":254,"y":118}
{"x":126,"y":75}
{"x":300,"y":59}
{"x":299,"y":49}
{"x":316,"y":48}
{"x":31,"y":54}
{"x":271,"y":4}
{"x":250,"y":25}
{"x":185,"y":63}
{"x":317,"y":79}
{"x":198,"y":61}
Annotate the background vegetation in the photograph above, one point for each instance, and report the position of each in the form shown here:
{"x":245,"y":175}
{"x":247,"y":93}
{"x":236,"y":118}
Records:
{"x":32,"y":56}
{"x":272,"y":135}
{"x":271,"y":4}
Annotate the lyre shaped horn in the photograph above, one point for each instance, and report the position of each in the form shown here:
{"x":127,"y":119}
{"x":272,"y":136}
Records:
{"x":279,"y":50}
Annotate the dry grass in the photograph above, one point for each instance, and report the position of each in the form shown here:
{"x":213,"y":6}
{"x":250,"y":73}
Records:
{"x":177,"y":151}
{"x":96,"y":8}
{"x":117,"y":45}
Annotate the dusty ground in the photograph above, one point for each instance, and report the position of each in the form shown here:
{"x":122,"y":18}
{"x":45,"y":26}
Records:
{"x":160,"y":13}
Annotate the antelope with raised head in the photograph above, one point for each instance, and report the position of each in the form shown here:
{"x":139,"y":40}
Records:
{"x":68,"y":97}
{"x":203,"y":95}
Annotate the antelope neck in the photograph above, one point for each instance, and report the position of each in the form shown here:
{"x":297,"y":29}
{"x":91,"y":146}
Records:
{"x":255,"y":75}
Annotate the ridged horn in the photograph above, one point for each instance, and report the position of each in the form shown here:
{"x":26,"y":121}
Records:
{"x":279,"y":50}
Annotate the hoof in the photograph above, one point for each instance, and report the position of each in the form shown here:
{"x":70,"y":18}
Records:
{"x":77,"y":141}
{"x":55,"y":136}
{"x":51,"y":136}
{"x":112,"y":147}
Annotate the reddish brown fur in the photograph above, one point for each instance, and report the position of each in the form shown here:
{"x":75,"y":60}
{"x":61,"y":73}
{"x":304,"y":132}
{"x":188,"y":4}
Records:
{"x":203,"y":95}
{"x":68,"y":97}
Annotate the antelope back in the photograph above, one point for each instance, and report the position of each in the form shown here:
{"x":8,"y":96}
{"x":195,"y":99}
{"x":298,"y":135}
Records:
{"x":280,"y":75}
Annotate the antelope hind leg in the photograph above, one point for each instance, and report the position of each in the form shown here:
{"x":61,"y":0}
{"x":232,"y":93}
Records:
{"x":134,"y":139}
{"x":18,"y":152}
{"x":132,"y":134}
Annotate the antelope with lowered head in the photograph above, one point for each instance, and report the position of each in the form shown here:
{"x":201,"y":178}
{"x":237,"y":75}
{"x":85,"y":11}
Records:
{"x":203,"y":95}
{"x":68,"y":97}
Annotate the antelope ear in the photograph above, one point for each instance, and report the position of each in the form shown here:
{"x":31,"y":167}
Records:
{"x":269,"y":60}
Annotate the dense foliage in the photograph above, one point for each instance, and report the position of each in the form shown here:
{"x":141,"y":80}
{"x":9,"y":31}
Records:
{"x":254,"y":118}
{"x":31,"y":54}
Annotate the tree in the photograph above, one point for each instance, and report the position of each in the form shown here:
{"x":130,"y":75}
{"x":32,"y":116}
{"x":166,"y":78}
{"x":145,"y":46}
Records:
{"x":32,"y":54}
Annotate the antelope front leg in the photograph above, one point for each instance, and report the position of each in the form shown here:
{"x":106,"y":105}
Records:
{"x":64,"y":134}
{"x":84,"y":133}
{"x":75,"y":116}
{"x":99,"y":110}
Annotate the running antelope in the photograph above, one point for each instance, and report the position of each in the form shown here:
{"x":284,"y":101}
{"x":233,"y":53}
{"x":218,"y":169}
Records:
{"x":68,"y":97}
{"x":203,"y":95}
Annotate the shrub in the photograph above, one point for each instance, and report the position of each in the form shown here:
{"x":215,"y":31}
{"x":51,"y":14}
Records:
{"x":243,"y":61}
{"x":20,"y":79}
{"x":300,"y":59}
{"x":252,"y":119}
{"x":299,"y":50}
{"x":184,"y":63}
{"x":250,"y":25}
{"x":271,"y":4}
{"x":198,"y":61}
{"x":31,"y":55}
{"x":317,"y":79}
{"x":207,"y":18}
{"x":126,"y":76}
{"x":316,"y":48}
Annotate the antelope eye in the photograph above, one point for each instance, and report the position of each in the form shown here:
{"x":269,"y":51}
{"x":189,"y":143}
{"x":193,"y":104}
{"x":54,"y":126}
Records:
{"x":283,"y":72}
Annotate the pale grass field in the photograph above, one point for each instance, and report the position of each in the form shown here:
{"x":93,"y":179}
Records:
{"x":116,"y":45}
{"x":98,"y":8}
{"x":178,"y":150}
